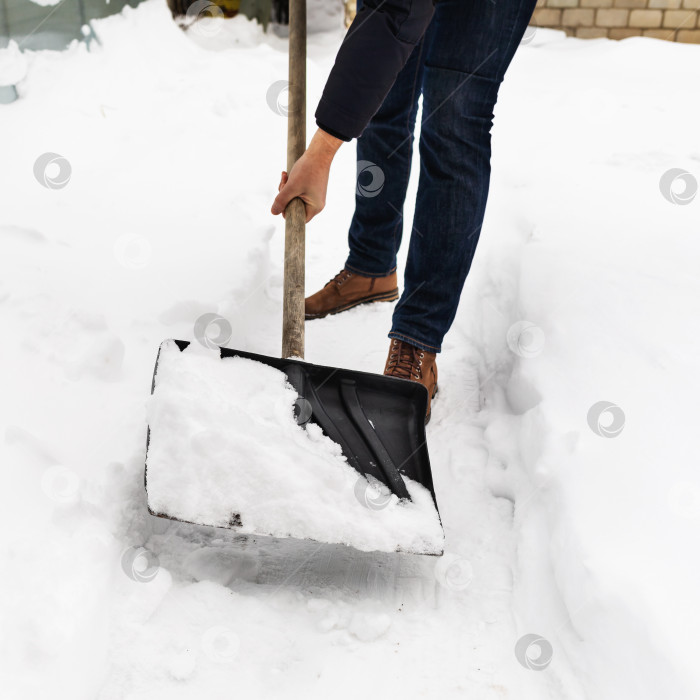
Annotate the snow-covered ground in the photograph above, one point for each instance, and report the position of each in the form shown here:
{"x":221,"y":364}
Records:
{"x":565,"y":518}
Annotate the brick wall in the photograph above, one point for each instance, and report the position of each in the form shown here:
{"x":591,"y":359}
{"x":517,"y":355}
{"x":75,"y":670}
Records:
{"x":673,"y":20}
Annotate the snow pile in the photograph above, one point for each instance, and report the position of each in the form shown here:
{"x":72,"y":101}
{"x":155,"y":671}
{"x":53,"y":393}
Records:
{"x":585,"y":300}
{"x":13,"y":64}
{"x":225,"y":448}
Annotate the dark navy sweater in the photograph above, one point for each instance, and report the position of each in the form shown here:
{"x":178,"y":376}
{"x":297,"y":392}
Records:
{"x":375,"y":49}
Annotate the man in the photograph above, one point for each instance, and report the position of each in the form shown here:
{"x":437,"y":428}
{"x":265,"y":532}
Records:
{"x":455,"y":53}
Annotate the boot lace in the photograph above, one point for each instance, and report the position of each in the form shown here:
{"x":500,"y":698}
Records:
{"x":341,"y":277}
{"x":405,"y":361}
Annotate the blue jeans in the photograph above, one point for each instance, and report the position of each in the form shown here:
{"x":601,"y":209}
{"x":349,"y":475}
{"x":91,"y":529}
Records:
{"x":457,"y":67}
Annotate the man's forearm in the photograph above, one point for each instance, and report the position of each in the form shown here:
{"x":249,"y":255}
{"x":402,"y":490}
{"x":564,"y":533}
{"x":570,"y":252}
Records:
{"x":324,"y":146}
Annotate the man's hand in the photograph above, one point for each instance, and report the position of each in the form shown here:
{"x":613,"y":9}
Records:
{"x":308,"y":179}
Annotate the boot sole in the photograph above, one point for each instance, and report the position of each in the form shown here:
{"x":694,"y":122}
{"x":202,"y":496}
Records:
{"x":386,"y":296}
{"x":427,"y":417}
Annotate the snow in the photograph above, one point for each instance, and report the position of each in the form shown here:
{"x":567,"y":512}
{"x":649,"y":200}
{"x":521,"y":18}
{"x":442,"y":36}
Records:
{"x":552,"y":529}
{"x":224,"y":442}
{"x":13,"y":65}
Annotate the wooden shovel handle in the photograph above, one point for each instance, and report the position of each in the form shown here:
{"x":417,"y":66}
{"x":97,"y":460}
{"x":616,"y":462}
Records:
{"x":295,"y":213}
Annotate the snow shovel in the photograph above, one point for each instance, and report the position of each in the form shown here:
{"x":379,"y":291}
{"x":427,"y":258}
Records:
{"x":377,"y":421}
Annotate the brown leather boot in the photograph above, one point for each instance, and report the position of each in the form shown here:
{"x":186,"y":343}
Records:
{"x":409,"y":362}
{"x":348,"y":289}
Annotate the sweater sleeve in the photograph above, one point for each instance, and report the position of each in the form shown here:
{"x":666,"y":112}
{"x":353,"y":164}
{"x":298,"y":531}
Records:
{"x":376,"y":47}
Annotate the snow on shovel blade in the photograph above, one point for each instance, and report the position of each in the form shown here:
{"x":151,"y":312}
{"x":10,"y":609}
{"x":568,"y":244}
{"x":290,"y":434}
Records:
{"x":284,"y":448}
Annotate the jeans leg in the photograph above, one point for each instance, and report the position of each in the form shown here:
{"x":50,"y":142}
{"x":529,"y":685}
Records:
{"x":383,"y":167}
{"x":471,"y":44}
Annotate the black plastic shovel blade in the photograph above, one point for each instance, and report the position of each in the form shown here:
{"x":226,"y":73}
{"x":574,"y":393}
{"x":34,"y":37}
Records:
{"x":378,"y":421}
